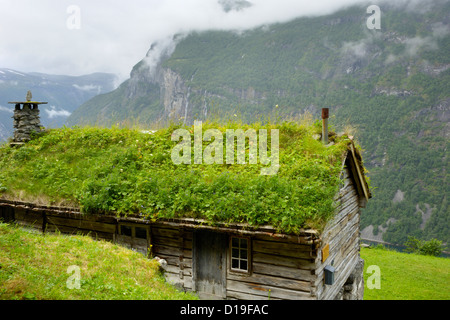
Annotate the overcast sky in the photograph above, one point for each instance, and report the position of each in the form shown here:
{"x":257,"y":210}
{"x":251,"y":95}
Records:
{"x":80,"y":37}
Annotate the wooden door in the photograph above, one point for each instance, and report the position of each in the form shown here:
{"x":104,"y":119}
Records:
{"x":210,"y":264}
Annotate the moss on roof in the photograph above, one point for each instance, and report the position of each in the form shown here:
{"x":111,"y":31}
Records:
{"x":124,"y":171}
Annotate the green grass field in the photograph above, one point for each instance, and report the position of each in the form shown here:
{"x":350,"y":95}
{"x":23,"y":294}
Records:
{"x":36,"y":266}
{"x":405,"y":276}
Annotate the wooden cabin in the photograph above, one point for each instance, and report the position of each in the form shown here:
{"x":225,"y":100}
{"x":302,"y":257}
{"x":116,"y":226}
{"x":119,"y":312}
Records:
{"x":232,"y":261}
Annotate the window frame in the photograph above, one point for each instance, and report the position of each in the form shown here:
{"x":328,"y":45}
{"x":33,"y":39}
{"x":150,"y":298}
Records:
{"x":133,"y":227}
{"x":132,"y":242}
{"x":239,"y":258}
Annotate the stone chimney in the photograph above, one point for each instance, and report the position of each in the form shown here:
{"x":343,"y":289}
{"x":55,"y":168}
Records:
{"x":26,"y":119}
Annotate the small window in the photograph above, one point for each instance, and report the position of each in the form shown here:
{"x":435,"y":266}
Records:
{"x":140,"y":233}
{"x":125,"y":230}
{"x":239,"y":254}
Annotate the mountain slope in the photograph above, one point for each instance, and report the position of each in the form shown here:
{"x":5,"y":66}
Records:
{"x":63,"y":93}
{"x":391,"y":85}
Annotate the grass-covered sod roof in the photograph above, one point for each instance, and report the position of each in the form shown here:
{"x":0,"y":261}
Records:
{"x":124,"y":171}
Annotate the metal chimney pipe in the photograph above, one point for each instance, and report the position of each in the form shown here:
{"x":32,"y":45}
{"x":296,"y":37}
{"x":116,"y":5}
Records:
{"x":325,"y":125}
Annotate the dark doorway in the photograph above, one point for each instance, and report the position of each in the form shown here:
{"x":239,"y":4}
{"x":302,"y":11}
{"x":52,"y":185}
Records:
{"x":210,"y":264}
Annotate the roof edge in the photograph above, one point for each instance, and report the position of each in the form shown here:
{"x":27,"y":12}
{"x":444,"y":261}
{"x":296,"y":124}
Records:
{"x":358,"y":171}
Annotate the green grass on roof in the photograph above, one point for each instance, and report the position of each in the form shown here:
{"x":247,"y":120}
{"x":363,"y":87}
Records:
{"x":124,"y":171}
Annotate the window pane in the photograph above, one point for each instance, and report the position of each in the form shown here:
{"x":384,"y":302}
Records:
{"x":239,"y":253}
{"x":125,"y":231}
{"x":141,"y":233}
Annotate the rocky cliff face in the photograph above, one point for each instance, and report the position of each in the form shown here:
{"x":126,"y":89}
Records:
{"x":174,"y":95}
{"x":173,"y":92}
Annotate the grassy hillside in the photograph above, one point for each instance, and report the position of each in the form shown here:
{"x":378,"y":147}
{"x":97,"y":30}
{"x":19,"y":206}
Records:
{"x":36,"y":266}
{"x":405,"y":276}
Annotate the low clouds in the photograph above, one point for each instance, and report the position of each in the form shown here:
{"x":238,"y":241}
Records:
{"x":52,"y":112}
{"x":359,"y":49}
{"x":5,"y":109}
{"x":113,"y":35}
{"x":414,"y":45}
{"x":88,"y":88}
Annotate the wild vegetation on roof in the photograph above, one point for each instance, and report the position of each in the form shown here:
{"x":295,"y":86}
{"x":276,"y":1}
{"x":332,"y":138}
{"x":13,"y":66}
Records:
{"x":125,"y":171}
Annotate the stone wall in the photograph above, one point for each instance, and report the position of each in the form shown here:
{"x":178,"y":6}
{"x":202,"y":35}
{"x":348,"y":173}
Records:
{"x":26,"y":121}
{"x":353,"y":288}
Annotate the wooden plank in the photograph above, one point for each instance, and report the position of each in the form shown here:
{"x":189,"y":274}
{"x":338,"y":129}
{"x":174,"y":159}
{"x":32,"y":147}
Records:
{"x":237,"y":295}
{"x":338,"y":222}
{"x":81,"y":224}
{"x":339,"y":241}
{"x":176,"y":261}
{"x":305,"y":240}
{"x":26,"y":217}
{"x":306,"y":264}
{"x":171,"y":242}
{"x":347,"y":199}
{"x":166,"y":232}
{"x":282,"y":271}
{"x":339,"y":262}
{"x":267,"y":291}
{"x":282,"y":249}
{"x":339,"y":234}
{"x":343,"y":206}
{"x":74,"y":231}
{"x":336,"y":232}
{"x":272,"y":281}
{"x":80,"y":216}
{"x":308,"y":236}
{"x":159,"y":250}
{"x":343,"y":271}
{"x":187,"y":272}
{"x":360,"y":175}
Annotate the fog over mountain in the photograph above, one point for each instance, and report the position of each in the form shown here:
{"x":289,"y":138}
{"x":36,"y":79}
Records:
{"x":111,"y":36}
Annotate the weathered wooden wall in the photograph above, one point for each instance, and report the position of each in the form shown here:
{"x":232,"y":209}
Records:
{"x":58,"y":219}
{"x":342,"y":236}
{"x":281,"y":269}
{"x":174,"y":244}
